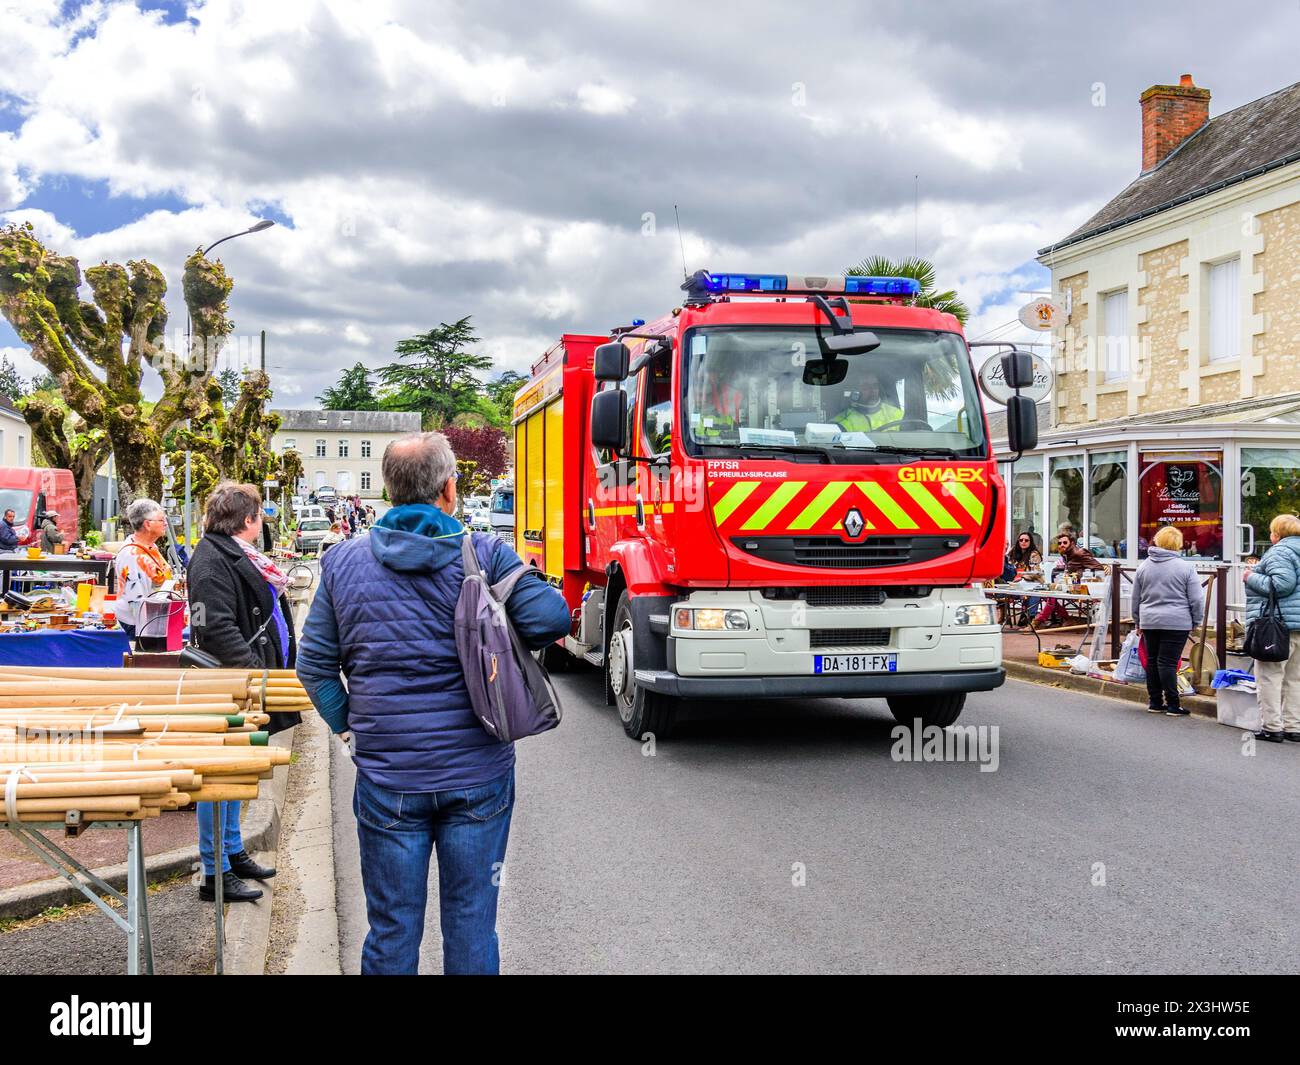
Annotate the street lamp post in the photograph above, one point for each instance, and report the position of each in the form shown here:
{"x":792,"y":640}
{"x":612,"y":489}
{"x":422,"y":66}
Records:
{"x":257,"y":227}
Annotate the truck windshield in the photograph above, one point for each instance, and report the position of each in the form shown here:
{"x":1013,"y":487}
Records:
{"x":18,"y":500}
{"x":757,"y":390}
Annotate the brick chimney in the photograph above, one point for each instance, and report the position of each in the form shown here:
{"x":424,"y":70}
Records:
{"x":1171,"y":114}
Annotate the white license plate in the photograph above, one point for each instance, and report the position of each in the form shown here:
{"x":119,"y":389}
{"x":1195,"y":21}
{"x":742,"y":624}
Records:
{"x":855,"y":663}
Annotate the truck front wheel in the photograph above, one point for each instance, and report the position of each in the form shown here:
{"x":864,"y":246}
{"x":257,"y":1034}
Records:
{"x":941,"y":710}
{"x":639,"y":709}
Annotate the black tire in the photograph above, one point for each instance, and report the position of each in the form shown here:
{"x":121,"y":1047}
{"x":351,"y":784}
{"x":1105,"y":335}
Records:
{"x":639,"y":710}
{"x":941,"y":710}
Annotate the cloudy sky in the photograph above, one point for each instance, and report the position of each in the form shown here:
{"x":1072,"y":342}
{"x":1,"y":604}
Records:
{"x":519,"y":162}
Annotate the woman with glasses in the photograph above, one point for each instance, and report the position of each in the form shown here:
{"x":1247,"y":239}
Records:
{"x":141,"y":568}
{"x":1024,"y":558}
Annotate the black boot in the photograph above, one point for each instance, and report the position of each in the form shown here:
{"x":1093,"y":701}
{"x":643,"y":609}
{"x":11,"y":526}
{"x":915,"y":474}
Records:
{"x":242,"y":865}
{"x":1271,"y":737}
{"x":1294,"y":737}
{"x":232,"y":889}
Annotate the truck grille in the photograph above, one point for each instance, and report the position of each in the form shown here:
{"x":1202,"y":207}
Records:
{"x":830,"y":552}
{"x":848,"y":638}
{"x":852,"y":596}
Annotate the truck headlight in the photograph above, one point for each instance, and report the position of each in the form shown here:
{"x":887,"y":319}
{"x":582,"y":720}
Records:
{"x":978,"y":614}
{"x":713,"y":620}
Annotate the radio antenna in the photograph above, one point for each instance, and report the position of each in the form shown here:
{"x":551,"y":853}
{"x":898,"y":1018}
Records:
{"x":685,"y":277}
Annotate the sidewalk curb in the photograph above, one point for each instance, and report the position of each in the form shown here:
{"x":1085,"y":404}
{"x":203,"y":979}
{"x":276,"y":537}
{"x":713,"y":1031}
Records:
{"x":1199,"y":705}
{"x":248,"y":925}
{"x":261,"y":828}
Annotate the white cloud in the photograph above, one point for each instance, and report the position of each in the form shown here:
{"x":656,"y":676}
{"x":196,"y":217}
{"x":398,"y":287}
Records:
{"x":438,"y":160}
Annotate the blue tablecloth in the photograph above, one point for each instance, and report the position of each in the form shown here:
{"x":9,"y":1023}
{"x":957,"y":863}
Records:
{"x":74,"y":647}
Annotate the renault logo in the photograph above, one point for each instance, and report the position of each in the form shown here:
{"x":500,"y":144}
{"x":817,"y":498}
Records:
{"x":853,"y":523}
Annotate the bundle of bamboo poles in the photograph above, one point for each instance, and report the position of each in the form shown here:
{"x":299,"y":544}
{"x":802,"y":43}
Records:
{"x":273,"y":690}
{"x":124,"y":744}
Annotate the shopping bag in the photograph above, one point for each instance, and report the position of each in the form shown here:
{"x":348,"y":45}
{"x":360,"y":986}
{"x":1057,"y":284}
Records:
{"x":1130,"y":667}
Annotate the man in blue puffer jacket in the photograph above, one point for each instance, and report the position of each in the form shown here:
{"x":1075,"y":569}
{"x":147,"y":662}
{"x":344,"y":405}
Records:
{"x":1279,"y":682}
{"x":428,"y":773}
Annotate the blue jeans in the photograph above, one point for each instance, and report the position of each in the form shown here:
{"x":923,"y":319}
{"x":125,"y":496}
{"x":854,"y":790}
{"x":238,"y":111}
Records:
{"x":231,"y":841}
{"x":397,"y":832}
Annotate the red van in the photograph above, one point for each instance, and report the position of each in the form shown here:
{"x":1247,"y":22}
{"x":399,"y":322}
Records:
{"x":30,"y":491}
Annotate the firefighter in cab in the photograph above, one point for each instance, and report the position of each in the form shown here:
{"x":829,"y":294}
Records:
{"x":722,"y":399}
{"x":869,"y":410}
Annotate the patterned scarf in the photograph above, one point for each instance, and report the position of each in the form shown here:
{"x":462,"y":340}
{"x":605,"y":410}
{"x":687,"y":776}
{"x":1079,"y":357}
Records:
{"x":269,"y":570}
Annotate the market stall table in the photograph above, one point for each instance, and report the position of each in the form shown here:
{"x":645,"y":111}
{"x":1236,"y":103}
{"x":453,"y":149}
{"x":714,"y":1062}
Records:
{"x":64,"y":647}
{"x":136,"y":900}
{"x":99,"y":568}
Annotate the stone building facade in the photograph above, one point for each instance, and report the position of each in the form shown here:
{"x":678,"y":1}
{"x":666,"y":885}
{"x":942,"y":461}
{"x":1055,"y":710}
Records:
{"x":1184,"y":289}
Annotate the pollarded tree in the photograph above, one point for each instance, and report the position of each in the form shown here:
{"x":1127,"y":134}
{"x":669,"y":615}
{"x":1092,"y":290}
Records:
{"x":62,"y":439}
{"x":98,"y":349}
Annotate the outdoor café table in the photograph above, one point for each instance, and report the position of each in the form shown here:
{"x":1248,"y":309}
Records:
{"x":1009,"y":592}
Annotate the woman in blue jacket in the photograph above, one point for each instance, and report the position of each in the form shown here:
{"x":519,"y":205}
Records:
{"x":1278,"y":574}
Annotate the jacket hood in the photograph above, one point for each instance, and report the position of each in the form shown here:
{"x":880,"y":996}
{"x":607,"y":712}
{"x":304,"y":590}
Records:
{"x":416,"y":538}
{"x":1160,"y":554}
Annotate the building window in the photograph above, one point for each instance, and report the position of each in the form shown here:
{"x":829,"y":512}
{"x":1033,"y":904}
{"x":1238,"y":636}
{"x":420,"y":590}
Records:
{"x":1225,"y":311}
{"x":1114,"y":340}
{"x":365,"y":479}
{"x":344,"y":483}
{"x":320,"y":448}
{"x":365,"y":449}
{"x":1185,"y":490}
{"x":343,"y":449}
{"x":22,"y":450}
{"x":1066,"y":495}
{"x":1270,"y":485}
{"x":290,"y":444}
{"x":320,"y":478}
{"x":1027,"y":499}
{"x":1107,"y":500}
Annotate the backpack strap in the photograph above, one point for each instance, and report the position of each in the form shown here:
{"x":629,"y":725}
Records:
{"x":502,"y":590}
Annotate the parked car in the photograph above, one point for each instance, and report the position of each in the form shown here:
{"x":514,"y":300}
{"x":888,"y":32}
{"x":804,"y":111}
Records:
{"x":311,"y":532}
{"x":309,"y":512}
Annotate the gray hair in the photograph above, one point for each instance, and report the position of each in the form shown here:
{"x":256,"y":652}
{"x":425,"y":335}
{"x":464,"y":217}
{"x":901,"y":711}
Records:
{"x":141,"y":511}
{"x":417,"y":467}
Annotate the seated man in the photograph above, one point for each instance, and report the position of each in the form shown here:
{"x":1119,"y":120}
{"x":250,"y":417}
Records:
{"x":721,"y":400}
{"x":870,"y":410}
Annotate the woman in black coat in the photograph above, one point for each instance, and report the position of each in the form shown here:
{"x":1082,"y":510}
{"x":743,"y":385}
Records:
{"x":240,"y":615}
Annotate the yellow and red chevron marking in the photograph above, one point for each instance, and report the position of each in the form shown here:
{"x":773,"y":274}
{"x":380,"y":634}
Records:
{"x":888,"y":505}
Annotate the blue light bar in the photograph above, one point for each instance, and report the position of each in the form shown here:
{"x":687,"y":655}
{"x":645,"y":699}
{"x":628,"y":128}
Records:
{"x":796,"y":284}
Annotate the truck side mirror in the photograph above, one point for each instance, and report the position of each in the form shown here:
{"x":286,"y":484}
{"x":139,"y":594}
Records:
{"x":1018,"y":370}
{"x":609,"y":420}
{"x":1022,"y":424}
{"x":611,"y":362}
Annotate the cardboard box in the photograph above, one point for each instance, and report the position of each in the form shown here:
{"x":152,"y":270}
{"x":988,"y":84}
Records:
{"x":1240,"y":709}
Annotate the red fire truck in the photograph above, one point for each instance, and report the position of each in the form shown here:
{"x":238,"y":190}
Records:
{"x":784,"y":487}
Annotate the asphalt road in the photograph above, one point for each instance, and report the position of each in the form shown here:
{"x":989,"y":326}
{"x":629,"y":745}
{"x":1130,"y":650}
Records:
{"x":84,"y":942}
{"x":1107,"y":840}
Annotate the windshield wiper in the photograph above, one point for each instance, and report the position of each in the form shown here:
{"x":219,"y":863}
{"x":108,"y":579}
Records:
{"x":797,"y":449}
{"x":892,"y":449}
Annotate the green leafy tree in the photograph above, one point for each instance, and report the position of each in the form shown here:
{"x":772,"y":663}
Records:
{"x":229,"y":381}
{"x":11,"y":381}
{"x":355,"y":391}
{"x":439,"y":377}
{"x":501,"y":394}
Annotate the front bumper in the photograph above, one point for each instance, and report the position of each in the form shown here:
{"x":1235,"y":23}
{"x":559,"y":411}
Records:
{"x":831,"y":687}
